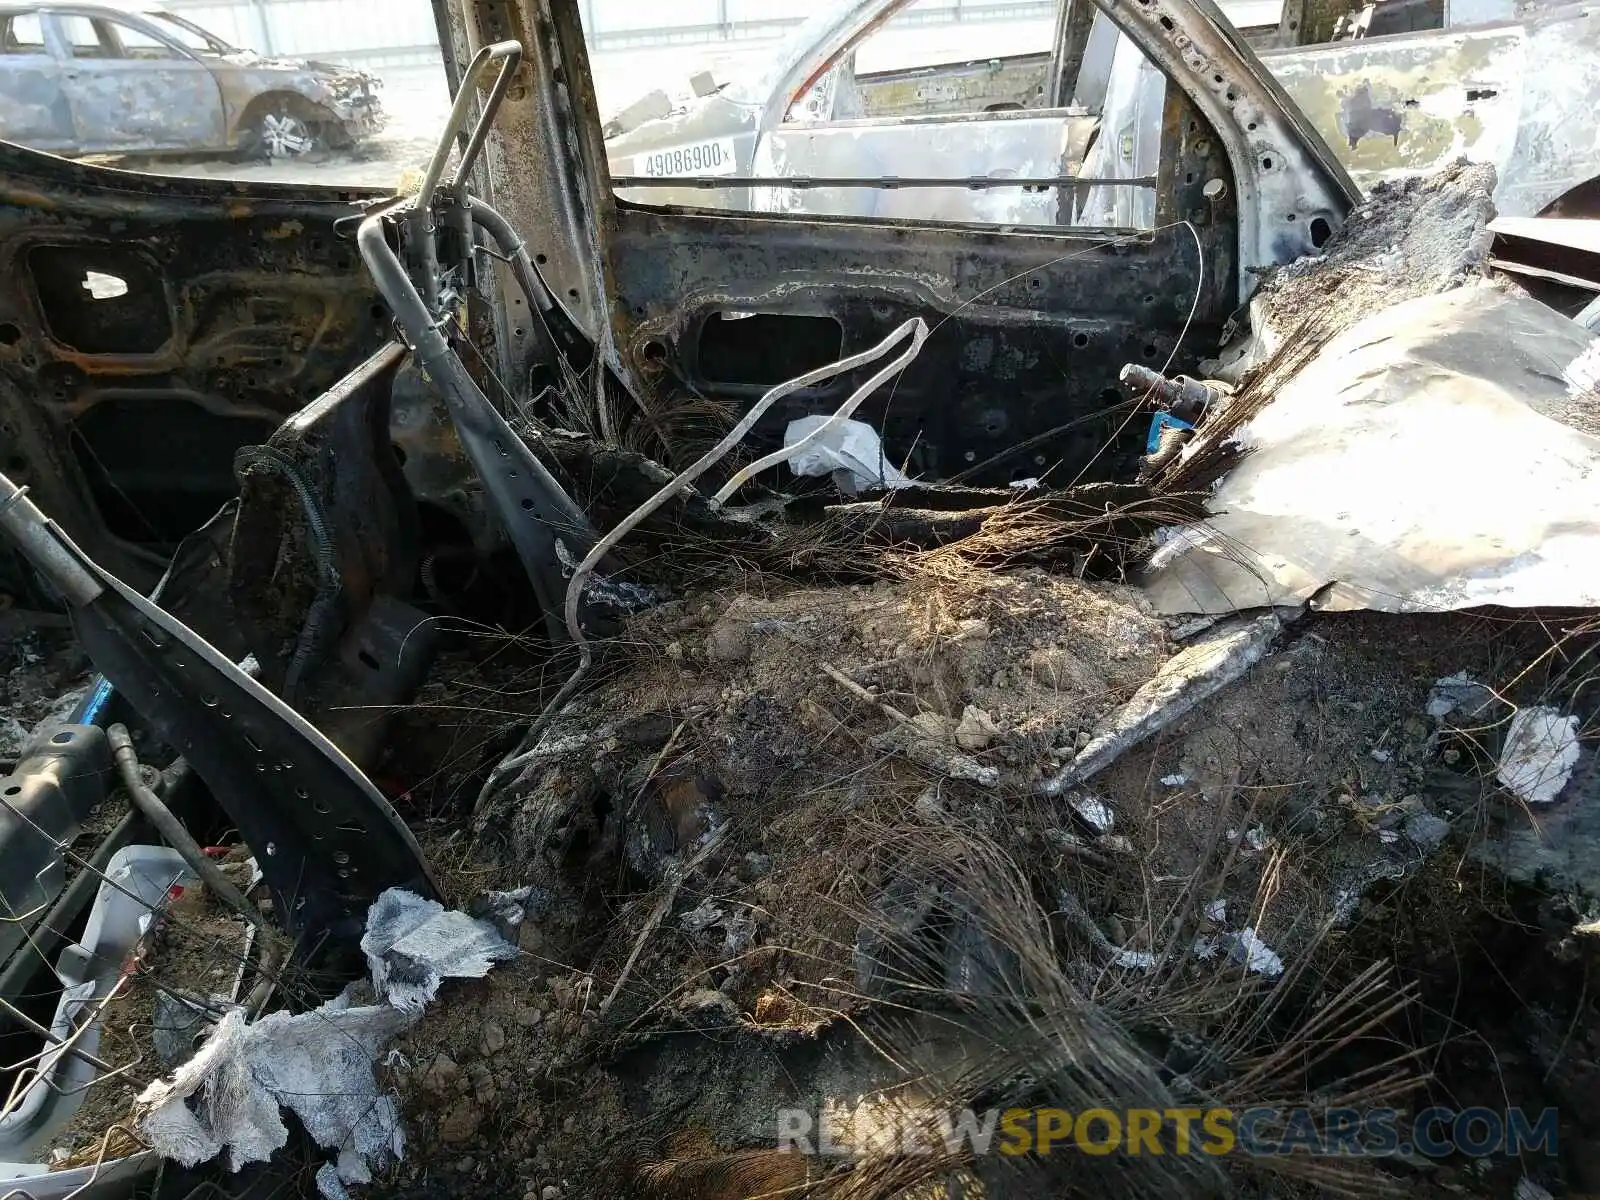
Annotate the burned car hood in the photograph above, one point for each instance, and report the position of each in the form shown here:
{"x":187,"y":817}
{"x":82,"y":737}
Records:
{"x":335,"y":72}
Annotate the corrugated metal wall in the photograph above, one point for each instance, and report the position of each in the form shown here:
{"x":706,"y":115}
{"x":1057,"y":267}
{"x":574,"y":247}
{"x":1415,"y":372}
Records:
{"x":396,"y":32}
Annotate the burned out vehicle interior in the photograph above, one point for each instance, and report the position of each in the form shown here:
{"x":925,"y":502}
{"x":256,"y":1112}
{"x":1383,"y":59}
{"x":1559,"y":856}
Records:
{"x":271,"y":446}
{"x":233,"y":308}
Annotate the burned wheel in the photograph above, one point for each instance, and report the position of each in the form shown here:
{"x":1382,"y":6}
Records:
{"x":283,"y":132}
{"x":284,"y":135}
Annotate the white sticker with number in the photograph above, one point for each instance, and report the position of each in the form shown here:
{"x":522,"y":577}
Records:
{"x":713,"y":157}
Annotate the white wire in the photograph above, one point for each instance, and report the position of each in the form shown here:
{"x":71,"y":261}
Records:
{"x":916,"y":327}
{"x":919,"y":334}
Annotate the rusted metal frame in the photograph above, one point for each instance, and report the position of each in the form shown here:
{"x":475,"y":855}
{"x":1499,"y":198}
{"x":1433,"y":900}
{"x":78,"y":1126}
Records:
{"x":554,"y":320}
{"x":509,"y":55}
{"x":554,"y":188}
{"x":1287,"y":178}
{"x":1071,"y":42}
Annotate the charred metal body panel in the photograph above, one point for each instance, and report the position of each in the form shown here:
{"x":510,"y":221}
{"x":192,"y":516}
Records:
{"x":225,"y":310}
{"x":1518,"y":95}
{"x":323,"y":558}
{"x":327,"y":841}
{"x":995,"y":84}
{"x":1038,"y":327}
{"x":1042,"y":321}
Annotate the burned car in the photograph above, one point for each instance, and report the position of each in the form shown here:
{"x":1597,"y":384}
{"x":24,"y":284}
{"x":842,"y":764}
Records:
{"x":84,"y":79}
{"x":509,"y":663}
{"x":1397,"y":88}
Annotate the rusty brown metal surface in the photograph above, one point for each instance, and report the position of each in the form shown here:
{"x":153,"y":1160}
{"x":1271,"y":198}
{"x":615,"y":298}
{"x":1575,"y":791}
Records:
{"x":239,"y":306}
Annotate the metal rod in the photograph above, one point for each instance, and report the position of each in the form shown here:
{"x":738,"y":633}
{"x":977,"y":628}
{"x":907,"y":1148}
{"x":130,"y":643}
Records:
{"x":169,"y":827}
{"x":509,"y":51}
{"x":976,"y":183}
{"x":43,"y":545}
{"x":563,"y":331}
{"x":491,"y":106}
{"x":27,"y":1022}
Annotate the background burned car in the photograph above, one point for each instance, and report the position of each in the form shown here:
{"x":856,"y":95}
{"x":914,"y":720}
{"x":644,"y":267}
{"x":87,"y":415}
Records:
{"x":81,"y":79}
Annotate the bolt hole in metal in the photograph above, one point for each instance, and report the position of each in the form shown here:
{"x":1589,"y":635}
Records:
{"x":1321,"y":231}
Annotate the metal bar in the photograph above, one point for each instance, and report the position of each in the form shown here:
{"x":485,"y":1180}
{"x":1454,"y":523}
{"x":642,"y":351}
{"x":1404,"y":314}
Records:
{"x":32,"y":1026}
{"x":977,"y":183}
{"x":537,"y":514}
{"x":509,"y":51}
{"x":1516,"y":268}
{"x":491,"y":106}
{"x":43,"y":545}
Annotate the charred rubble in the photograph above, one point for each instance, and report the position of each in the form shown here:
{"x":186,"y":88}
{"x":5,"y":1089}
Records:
{"x":535,"y":790}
